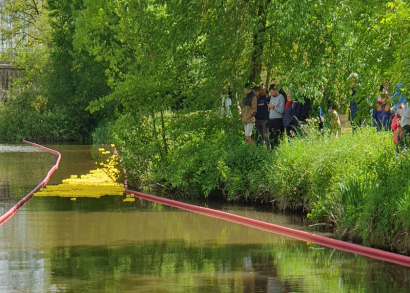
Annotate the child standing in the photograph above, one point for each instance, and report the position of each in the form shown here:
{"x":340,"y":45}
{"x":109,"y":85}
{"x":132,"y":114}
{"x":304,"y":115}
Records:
{"x":334,"y":118}
{"x":397,"y":130}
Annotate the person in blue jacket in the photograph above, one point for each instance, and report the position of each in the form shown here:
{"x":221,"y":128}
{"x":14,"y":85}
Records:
{"x":400,"y":100}
{"x":353,"y":106}
{"x":381,"y":114}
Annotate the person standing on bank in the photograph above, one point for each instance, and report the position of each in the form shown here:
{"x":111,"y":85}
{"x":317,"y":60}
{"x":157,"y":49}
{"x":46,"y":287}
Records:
{"x":226,"y":105}
{"x":276,"y":107}
{"x":249,"y":111}
{"x":404,"y":140}
{"x":353,"y":106}
{"x":381,"y":114}
{"x":262,"y":116}
{"x":289,"y":117}
{"x":397,"y":129}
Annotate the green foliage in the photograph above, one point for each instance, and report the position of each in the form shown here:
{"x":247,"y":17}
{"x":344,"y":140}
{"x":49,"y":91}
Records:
{"x":196,"y":160}
{"x":26,"y":117}
{"x":55,"y":75}
{"x":385,"y":219}
{"x":215,"y":160}
{"x":150,"y":55}
{"x":355,"y":182}
{"x":140,"y":144}
{"x":204,"y":154}
{"x":247,"y":177}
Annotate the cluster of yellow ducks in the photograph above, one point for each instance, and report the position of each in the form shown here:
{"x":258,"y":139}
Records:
{"x":99,"y":182}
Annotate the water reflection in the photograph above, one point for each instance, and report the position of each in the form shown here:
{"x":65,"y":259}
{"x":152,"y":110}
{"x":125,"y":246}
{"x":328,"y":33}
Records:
{"x":151,"y":248}
{"x":22,"y":265}
{"x":178,"y":266}
{"x":75,"y":160}
{"x":17,"y":148}
{"x":105,"y":245}
{"x":5,"y":196}
{"x":23,"y":167}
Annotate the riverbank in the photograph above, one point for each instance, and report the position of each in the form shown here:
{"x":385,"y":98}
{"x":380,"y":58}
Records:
{"x":355,"y":184}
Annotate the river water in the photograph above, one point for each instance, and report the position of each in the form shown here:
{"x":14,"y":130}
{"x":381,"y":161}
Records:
{"x":54,"y":244}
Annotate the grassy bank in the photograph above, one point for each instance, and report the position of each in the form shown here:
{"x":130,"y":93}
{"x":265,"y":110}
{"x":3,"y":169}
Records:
{"x":355,"y":183}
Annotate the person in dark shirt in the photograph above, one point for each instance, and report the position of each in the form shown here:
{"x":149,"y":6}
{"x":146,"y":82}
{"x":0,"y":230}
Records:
{"x":381,"y":113}
{"x":353,"y":106}
{"x":302,"y":110}
{"x":302,"y":113}
{"x":289,"y":116}
{"x":262,"y":116}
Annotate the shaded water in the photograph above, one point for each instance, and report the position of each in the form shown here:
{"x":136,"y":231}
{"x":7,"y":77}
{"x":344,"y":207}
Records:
{"x":106,"y":245}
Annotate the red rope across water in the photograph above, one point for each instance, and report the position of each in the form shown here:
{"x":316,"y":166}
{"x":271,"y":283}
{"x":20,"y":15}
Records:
{"x":284,"y":231}
{"x":43,"y":183}
{"x":276,"y":229}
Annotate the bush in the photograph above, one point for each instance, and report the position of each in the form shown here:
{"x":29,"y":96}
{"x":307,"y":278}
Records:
{"x":356,"y":183}
{"x":209,"y":154}
{"x":27,"y":114}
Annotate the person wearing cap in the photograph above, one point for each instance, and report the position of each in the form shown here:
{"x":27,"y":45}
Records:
{"x":249,"y":111}
{"x":276,"y":108}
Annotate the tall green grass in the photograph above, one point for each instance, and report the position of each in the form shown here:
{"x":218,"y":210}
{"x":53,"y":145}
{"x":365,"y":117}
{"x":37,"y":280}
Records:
{"x":355,"y":182}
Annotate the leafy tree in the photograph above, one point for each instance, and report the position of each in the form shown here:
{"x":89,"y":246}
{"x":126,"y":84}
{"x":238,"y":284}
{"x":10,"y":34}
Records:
{"x":23,"y":23}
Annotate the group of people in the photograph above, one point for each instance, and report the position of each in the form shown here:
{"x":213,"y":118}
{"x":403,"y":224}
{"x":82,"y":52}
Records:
{"x":396,"y":118}
{"x":272,"y":113}
{"x":387,"y":115}
{"x":275,"y":112}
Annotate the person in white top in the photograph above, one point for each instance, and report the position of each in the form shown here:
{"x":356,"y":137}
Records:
{"x":276,"y":107}
{"x":405,"y":124}
{"x":226,"y":106}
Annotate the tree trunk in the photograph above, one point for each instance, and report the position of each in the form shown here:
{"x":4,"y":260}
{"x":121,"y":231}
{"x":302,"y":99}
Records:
{"x":269,"y":64}
{"x":164,"y":139}
{"x":258,"y":38}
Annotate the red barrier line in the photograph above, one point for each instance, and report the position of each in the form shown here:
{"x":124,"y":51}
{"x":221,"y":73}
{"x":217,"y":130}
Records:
{"x":4,"y":218}
{"x":284,"y":231}
{"x":276,"y":229}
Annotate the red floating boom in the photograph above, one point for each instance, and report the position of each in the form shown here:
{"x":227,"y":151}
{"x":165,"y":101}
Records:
{"x":272,"y":228}
{"x":43,"y":183}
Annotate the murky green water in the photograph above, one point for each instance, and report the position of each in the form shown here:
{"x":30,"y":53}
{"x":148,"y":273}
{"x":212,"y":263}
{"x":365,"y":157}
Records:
{"x":106,"y":245}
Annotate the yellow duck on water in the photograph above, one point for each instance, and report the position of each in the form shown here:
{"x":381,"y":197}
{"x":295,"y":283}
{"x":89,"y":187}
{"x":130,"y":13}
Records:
{"x":99,"y":182}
